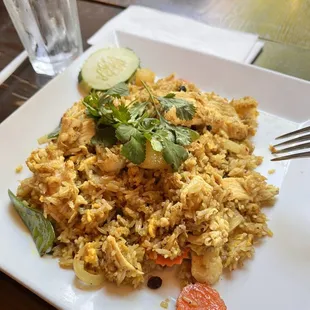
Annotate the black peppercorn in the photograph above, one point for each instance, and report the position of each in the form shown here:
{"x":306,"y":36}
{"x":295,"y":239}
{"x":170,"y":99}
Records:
{"x":182,"y":88}
{"x":209,"y":127}
{"x":154,"y":283}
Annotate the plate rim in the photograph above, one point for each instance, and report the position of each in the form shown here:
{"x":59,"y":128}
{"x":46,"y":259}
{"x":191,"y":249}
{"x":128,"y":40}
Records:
{"x":32,"y":100}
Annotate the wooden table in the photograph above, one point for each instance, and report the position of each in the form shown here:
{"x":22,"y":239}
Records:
{"x":284,"y":25}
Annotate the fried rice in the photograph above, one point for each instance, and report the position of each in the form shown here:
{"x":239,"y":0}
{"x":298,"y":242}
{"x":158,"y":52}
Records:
{"x":117,"y":217}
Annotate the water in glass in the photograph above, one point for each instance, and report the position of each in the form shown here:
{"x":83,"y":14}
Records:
{"x":49,"y":31}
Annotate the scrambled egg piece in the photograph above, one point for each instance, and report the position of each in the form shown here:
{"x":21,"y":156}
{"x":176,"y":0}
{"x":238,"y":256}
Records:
{"x":90,"y":254}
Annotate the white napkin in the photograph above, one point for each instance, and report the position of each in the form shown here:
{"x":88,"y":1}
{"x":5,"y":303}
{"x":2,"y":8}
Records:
{"x":181,"y":31}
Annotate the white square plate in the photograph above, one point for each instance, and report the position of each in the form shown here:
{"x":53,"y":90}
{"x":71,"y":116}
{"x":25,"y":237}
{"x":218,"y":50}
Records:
{"x":279,"y":275}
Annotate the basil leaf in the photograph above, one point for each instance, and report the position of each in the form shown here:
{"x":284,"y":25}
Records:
{"x":55,"y":133}
{"x":41,"y":229}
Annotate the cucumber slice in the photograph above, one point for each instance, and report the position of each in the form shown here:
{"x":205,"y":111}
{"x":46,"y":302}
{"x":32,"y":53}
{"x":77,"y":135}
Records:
{"x":108,"y":67}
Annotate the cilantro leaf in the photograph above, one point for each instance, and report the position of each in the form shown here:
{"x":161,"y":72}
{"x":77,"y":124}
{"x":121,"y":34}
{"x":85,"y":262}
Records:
{"x":123,"y":114}
{"x":166,"y":129}
{"x":104,"y":136}
{"x":91,"y":103}
{"x":104,"y":100}
{"x":184,"y":135}
{"x":118,"y":90}
{"x":100,"y":105}
{"x":181,"y":135}
{"x":125,"y":132}
{"x":166,"y":133}
{"x":149,"y":123}
{"x":106,"y":118}
{"x":137,"y":110}
{"x":91,"y":111}
{"x":174,"y":154}
{"x":148,"y":135}
{"x":134,"y":150}
{"x":184,"y":109}
{"x":92,"y":99}
{"x":120,"y":113}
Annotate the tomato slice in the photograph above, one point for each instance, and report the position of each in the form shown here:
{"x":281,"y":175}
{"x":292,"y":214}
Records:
{"x":200,"y":296}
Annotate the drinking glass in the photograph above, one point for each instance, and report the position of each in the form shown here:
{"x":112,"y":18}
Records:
{"x":49,"y":31}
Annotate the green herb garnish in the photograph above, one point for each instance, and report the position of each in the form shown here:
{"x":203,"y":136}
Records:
{"x":55,"y":133}
{"x":104,"y":136}
{"x":139,"y":122}
{"x":120,"y":89}
{"x":134,"y":150}
{"x":174,"y":154}
{"x":184,"y":109}
{"x":41,"y":229}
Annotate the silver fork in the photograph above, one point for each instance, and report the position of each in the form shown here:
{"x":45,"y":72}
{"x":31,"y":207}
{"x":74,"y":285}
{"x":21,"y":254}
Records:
{"x":301,"y":137}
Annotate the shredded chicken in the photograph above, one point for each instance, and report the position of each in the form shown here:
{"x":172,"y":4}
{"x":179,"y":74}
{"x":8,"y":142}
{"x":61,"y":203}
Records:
{"x":107,"y":161}
{"x":191,"y":193}
{"x":220,"y":115}
{"x":234,"y":186}
{"x":76,"y":129}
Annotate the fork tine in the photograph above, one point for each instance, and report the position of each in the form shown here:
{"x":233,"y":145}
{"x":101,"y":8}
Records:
{"x":293,"y":133}
{"x":293,"y":148}
{"x":292,"y":156}
{"x":295,"y":140}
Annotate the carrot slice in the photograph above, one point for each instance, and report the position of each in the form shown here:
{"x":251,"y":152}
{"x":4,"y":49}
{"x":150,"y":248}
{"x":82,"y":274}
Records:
{"x":200,"y":296}
{"x":161,"y":260}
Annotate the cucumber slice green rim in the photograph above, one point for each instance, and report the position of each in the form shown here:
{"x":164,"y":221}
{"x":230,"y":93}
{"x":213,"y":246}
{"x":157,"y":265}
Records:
{"x":108,"y":67}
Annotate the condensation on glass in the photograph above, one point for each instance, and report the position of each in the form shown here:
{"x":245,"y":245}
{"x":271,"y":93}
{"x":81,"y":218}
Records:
{"x":49,"y":31}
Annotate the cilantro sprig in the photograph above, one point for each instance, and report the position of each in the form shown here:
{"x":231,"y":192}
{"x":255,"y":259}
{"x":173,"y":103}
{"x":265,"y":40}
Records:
{"x":135,"y":124}
{"x":184,"y":109}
